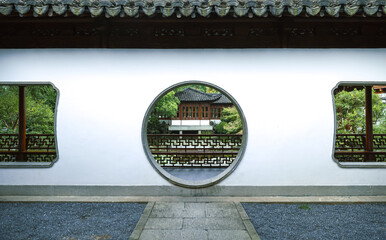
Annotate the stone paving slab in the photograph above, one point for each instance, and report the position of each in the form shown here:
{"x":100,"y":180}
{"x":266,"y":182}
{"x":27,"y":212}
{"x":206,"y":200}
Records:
{"x":194,"y":220}
{"x":164,"y":223}
{"x":181,"y":209}
{"x":214,"y":223}
{"x":174,"y":235}
{"x":228,"y":235}
{"x":216,"y":213}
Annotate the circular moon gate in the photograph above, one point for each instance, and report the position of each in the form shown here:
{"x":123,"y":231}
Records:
{"x":194,"y":134}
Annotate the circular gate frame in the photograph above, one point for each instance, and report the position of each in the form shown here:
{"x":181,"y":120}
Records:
{"x":182,"y":182}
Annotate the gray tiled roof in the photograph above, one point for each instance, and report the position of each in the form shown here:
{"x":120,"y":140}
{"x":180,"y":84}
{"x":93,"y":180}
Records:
{"x":194,"y":95}
{"x":222,"y":100}
{"x":193,"y":8}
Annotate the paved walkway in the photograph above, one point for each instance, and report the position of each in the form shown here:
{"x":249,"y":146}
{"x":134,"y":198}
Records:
{"x":194,"y":220}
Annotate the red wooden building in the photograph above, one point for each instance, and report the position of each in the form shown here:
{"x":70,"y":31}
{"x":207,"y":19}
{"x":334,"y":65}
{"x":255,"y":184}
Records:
{"x":198,"y":111}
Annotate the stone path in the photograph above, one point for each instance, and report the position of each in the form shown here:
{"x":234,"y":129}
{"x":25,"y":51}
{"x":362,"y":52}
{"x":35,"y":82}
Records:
{"x":194,"y":220}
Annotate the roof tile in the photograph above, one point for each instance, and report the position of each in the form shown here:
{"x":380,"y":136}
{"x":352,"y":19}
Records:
{"x":191,"y":8}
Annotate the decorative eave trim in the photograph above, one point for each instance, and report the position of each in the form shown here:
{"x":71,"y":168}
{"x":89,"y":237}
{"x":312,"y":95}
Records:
{"x":193,"y":8}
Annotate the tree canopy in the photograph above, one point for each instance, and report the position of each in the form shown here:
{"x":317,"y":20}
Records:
{"x":199,"y":87}
{"x":350,"y":112}
{"x":168,"y":105}
{"x":230,"y":122}
{"x":40,"y":109}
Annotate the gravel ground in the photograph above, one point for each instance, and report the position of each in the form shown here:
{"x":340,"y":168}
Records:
{"x":68,"y":221}
{"x":318,"y":221}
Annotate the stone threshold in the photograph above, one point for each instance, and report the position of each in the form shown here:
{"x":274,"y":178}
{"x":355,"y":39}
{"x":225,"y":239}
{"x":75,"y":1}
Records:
{"x":194,"y":220}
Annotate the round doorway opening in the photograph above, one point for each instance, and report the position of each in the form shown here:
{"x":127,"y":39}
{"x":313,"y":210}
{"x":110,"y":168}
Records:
{"x":194,"y":134}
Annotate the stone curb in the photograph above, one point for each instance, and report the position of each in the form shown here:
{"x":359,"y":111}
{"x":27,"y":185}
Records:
{"x":145,"y":199}
{"x":142,"y":222}
{"x":247,"y":222}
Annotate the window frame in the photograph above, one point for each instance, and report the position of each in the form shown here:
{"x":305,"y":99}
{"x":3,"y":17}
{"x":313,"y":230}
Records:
{"x":181,"y":182}
{"x":352,"y":164}
{"x":36,"y":164}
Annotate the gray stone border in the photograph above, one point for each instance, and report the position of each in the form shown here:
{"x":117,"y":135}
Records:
{"x":247,"y":222}
{"x":348,"y":164}
{"x":173,"y":191}
{"x":136,"y":234}
{"x":145,"y":199}
{"x":36,"y":164}
{"x":179,"y":181}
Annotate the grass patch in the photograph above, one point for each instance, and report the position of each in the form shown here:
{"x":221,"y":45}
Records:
{"x":304,"y":207}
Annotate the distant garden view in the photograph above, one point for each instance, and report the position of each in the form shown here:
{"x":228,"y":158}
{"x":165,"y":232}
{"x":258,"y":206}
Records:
{"x":27,"y":123}
{"x":167,"y":108}
{"x":194,"y":126}
{"x":360,"y":124}
{"x":40,"y":109}
{"x":350,"y":112}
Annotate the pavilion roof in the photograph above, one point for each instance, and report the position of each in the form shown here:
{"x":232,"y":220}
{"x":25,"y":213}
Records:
{"x":193,"y":8}
{"x":222,"y":100}
{"x":193,"y":95}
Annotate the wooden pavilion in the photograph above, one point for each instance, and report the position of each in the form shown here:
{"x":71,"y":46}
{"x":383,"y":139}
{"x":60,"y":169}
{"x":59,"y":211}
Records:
{"x":198,"y":111}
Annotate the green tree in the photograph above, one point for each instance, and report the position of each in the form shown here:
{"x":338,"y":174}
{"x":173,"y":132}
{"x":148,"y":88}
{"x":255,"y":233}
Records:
{"x":199,"y":87}
{"x":39,"y":117}
{"x":9,"y":108}
{"x":231,"y":121}
{"x":350,"y":112}
{"x":219,"y":128}
{"x":155,"y":126}
{"x":45,"y":94}
{"x":40,"y":107}
{"x":168,"y":105}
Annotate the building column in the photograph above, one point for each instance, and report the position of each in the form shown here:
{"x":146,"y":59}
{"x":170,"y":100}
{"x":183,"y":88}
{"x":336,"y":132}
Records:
{"x":22,"y":125}
{"x":180,"y":111}
{"x":369,"y":123}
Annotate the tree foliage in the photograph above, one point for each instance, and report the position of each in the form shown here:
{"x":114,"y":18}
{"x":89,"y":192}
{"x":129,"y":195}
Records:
{"x":219,"y":128}
{"x":350,"y":112}
{"x":40,"y":108}
{"x":199,"y":87}
{"x":155,"y":126}
{"x":168,"y":105}
{"x":230,"y":121}
{"x":9,"y":108}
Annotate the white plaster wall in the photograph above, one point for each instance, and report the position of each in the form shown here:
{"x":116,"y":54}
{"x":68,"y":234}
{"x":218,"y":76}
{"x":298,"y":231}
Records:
{"x":285,"y":95}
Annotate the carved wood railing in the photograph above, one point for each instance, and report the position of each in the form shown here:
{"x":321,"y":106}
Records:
{"x":192,"y":150}
{"x":352,"y":148}
{"x":40,"y":148}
